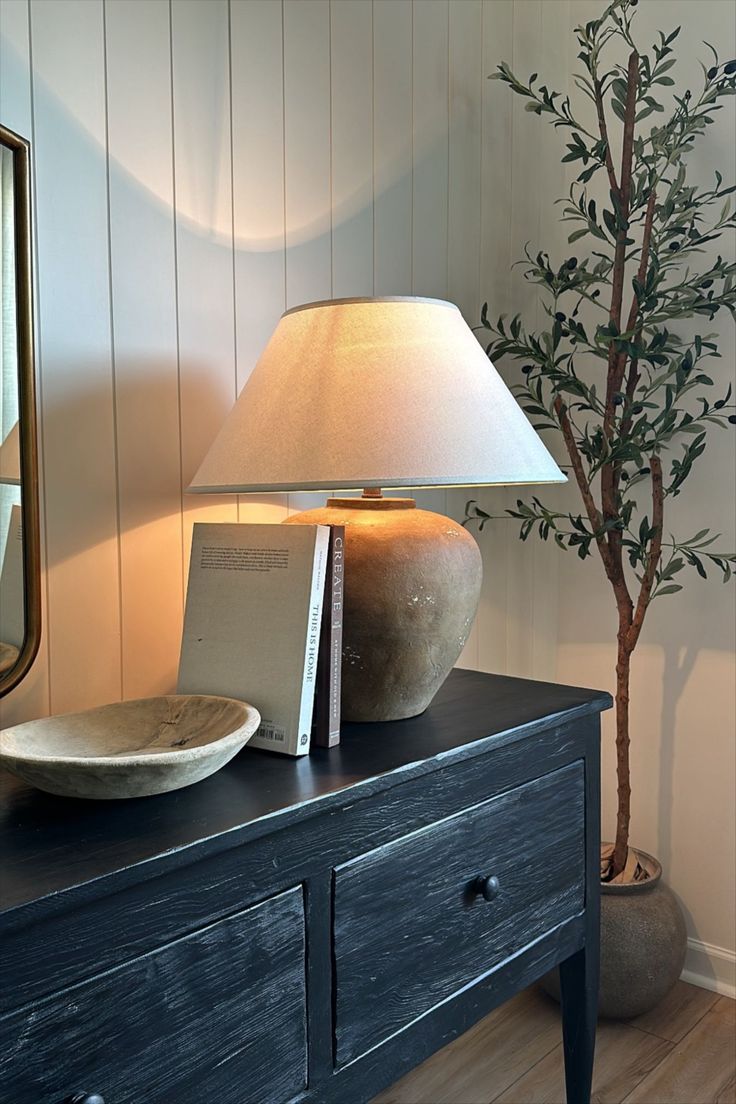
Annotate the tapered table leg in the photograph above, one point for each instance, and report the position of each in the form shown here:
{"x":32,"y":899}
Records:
{"x":579,"y":993}
{"x":579,"y":974}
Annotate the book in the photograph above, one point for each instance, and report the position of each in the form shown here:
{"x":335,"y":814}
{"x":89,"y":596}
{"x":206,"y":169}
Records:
{"x":252,"y":623}
{"x":326,"y":719}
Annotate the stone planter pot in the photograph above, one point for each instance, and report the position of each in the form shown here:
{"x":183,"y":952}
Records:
{"x":643,"y":943}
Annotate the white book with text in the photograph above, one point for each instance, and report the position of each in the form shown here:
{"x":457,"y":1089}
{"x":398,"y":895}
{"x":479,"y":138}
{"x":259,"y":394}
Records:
{"x":252,"y":623}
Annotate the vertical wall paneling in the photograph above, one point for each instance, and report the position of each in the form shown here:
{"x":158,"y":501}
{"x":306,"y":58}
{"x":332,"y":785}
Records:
{"x":204,"y":242}
{"x":430,"y":164}
{"x":430,"y":147}
{"x":76,"y":356}
{"x":307,"y":154}
{"x":256,"y":64}
{"x":255,"y":156}
{"x":351,"y":65}
{"x":551,"y":236}
{"x":143,"y":285}
{"x":464,"y":200}
{"x":392,"y":146}
{"x":493,"y":280}
{"x":307,"y":150}
{"x":31,"y":697}
{"x":526,"y":194}
{"x":465,"y":138}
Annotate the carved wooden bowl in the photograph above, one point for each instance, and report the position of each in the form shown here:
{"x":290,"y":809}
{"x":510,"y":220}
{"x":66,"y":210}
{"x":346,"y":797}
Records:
{"x":129,"y":749}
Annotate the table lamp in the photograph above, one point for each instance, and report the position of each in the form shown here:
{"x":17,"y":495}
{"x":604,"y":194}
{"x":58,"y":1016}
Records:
{"x":372,"y":394}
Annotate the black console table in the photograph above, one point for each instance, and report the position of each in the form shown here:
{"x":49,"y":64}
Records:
{"x":306,"y":930}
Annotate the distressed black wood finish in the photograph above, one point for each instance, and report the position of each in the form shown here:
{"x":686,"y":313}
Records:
{"x":410,"y":927}
{"x":221,"y":1007}
{"x":579,"y":973}
{"x":118,"y":908}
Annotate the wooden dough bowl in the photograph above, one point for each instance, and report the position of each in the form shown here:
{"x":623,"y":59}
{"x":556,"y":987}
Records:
{"x":129,"y":749}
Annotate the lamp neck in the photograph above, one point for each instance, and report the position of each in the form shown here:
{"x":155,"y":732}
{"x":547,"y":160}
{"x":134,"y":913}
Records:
{"x":372,"y":500}
{"x":372,"y":492}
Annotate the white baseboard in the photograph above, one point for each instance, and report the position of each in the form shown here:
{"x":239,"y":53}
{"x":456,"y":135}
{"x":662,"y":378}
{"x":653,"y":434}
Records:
{"x":710,"y":967}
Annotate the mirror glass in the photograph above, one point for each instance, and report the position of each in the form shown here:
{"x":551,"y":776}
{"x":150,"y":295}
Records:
{"x":19,"y":584}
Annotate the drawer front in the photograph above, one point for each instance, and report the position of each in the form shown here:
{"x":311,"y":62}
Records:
{"x":217,"y":1016}
{"x":409,"y":928}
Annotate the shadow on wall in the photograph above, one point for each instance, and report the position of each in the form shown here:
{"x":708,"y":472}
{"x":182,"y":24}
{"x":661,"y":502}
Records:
{"x":679,"y":662}
{"x":91,"y":410}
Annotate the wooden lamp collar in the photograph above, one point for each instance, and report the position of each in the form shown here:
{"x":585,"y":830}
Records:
{"x":372,"y":499}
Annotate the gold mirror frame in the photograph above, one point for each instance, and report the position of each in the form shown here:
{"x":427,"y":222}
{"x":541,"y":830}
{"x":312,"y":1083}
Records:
{"x":26,"y":410}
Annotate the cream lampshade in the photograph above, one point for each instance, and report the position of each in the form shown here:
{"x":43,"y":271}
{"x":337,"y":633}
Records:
{"x":394,"y":392}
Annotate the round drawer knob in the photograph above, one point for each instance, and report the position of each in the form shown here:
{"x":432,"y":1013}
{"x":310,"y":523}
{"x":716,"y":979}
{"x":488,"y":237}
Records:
{"x":84,"y":1098}
{"x":488,"y":888}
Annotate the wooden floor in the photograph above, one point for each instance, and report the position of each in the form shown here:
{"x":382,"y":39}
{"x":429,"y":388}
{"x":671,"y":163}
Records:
{"x":682,"y":1053}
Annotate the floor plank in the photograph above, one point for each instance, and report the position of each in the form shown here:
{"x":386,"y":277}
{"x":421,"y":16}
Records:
{"x":678,"y":1013}
{"x":682,"y":1053}
{"x":487,"y":1059}
{"x":623,"y":1056}
{"x":701,"y":1069}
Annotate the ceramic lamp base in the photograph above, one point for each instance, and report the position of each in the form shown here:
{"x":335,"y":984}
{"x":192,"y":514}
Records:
{"x":412,"y":584}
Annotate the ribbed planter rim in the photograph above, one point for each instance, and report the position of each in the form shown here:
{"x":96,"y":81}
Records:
{"x":655,"y":873}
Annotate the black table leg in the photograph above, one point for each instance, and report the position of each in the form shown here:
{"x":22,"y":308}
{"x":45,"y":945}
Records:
{"x":579,"y":993}
{"x":579,"y":974}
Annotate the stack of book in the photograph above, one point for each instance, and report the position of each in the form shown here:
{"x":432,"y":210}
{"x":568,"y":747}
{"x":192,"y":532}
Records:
{"x":263,"y":623}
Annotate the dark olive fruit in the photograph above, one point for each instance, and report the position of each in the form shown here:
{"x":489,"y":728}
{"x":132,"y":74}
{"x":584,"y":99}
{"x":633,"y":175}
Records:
{"x":644,"y":471}
{"x":674,"y":246}
{"x":732,"y":419}
{"x":527,"y":369}
{"x":730,"y":67}
{"x":560,"y":316}
{"x":624,"y":476}
{"x":637,"y":409}
{"x":572,"y":263}
{"x":618,"y":400}
{"x":713,"y":73}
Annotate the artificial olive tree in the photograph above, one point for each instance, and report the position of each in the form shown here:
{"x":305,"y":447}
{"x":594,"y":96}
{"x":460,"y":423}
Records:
{"x":614,"y":371}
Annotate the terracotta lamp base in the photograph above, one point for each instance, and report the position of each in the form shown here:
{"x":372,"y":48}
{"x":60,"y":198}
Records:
{"x":412,"y":583}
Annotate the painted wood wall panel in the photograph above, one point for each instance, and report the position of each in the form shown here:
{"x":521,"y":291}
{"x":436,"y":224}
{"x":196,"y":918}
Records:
{"x":31,"y":697}
{"x":143,"y":288}
{"x":307,"y":152}
{"x":259,"y":155}
{"x":308,"y":163}
{"x":526,"y":196}
{"x":551,"y":235}
{"x":204,"y":241}
{"x":257,"y":75}
{"x":464,"y":149}
{"x":392,"y":146}
{"x":494,"y":261}
{"x":430,"y":115}
{"x":351,"y":113}
{"x":73,"y":278}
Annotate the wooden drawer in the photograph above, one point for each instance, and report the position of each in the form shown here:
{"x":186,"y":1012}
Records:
{"x":409,"y":930}
{"x":216,"y":1016}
